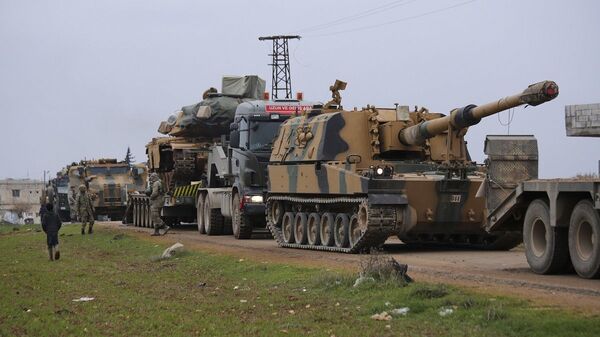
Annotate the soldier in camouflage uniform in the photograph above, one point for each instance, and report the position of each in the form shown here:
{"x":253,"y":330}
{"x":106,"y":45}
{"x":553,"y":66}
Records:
{"x":85,"y":210}
{"x":73,"y":203}
{"x":157,"y":199}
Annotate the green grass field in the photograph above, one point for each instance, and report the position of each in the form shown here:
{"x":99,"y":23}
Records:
{"x":203,"y":294}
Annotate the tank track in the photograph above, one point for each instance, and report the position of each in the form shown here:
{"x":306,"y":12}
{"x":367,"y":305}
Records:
{"x":184,"y":169}
{"x":381,"y":224}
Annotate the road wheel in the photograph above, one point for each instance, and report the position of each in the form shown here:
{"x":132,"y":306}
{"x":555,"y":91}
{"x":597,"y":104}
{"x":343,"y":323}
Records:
{"x":135,"y":213}
{"x":584,"y":240}
{"x":213,"y":220}
{"x":313,"y":229}
{"x":355,"y":232}
{"x":200,"y":214}
{"x":546,"y":247}
{"x":287,"y":227}
{"x":341,"y":230}
{"x":300,"y":232}
{"x":242,"y":228}
{"x":276,"y":212}
{"x":144,"y":215}
{"x":326,"y":229}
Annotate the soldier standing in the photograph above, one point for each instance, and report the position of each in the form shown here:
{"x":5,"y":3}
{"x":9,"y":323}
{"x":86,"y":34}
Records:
{"x":157,"y":199}
{"x":85,"y":209}
{"x":73,"y":204}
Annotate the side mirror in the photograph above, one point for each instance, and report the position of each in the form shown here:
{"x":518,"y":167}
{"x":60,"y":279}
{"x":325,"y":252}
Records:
{"x":234,"y":139}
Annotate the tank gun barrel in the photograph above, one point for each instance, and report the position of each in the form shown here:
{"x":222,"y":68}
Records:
{"x":469,"y":115}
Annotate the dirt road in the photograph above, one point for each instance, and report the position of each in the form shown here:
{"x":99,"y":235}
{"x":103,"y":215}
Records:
{"x":495,"y":273}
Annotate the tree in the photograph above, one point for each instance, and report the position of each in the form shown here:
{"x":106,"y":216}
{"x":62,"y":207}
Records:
{"x":129,"y":158}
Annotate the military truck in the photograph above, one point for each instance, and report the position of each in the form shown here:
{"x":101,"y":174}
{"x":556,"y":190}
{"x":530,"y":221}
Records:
{"x":181,"y":157}
{"x":345,"y":181}
{"x":109,"y":184}
{"x":61,"y":195}
{"x":232,"y":201}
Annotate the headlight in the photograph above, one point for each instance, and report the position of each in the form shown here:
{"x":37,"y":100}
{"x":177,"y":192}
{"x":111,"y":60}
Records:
{"x":256,"y":199}
{"x":379,"y":171}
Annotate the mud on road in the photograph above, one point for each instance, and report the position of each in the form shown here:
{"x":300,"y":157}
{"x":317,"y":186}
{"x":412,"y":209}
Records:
{"x":490,"y":272}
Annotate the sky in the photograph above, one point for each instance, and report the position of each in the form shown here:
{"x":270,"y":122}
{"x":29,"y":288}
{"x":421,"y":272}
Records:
{"x":87,"y":79}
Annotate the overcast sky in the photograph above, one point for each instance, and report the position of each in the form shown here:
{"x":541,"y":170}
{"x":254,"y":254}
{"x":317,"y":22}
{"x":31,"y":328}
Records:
{"x":86,"y":79}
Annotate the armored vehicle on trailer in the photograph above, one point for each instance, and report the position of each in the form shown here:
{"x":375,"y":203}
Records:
{"x":347,"y":180}
{"x":181,"y":157}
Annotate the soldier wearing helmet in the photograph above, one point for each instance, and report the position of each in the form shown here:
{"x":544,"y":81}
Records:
{"x":157,"y":199}
{"x":85,"y":209}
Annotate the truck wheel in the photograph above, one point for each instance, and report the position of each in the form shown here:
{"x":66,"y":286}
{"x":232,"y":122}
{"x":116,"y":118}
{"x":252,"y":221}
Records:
{"x":326,"y":229}
{"x":341,"y":230}
{"x":227,"y":228}
{"x":287,"y":227}
{"x":213,"y":220}
{"x":242,"y":228}
{"x":200,"y":214}
{"x":546,"y":247}
{"x":300,"y":228}
{"x":584,"y":240}
{"x":313,"y":229}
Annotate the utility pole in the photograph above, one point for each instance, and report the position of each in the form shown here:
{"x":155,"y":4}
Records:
{"x":281,"y":81}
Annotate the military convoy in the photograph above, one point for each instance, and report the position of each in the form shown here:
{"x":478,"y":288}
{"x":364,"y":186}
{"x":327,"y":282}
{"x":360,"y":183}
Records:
{"x":321,"y":177}
{"x":109,"y":183}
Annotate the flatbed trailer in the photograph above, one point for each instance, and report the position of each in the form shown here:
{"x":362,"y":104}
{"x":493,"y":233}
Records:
{"x":560,"y":221}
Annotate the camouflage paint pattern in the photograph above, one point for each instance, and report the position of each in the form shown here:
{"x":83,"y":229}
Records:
{"x":422,"y":158}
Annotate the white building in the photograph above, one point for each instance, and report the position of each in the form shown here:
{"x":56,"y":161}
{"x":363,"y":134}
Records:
{"x":20,"y":200}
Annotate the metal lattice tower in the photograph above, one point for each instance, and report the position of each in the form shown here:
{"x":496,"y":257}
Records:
{"x":282,"y":80}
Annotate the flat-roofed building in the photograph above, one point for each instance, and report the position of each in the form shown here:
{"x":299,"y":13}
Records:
{"x":20,"y":200}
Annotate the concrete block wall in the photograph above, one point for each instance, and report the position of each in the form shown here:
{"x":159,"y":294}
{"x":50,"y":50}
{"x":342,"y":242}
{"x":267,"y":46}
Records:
{"x":583,"y":120}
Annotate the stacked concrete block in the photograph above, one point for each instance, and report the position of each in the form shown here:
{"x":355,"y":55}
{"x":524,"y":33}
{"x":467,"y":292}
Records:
{"x":583,"y":120}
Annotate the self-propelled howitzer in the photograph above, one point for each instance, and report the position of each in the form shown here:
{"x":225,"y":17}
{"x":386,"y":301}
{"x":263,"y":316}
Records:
{"x":347,"y":180}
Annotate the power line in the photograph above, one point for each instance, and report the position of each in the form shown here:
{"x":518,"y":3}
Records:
{"x":360,"y":15}
{"x":393,"y":21}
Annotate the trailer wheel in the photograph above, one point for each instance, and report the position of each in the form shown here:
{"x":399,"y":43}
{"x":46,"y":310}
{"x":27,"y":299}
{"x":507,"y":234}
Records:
{"x":341,"y":229}
{"x":287,"y":227}
{"x":584,"y":240}
{"x":242,"y":228}
{"x":546,"y":247}
{"x":200,"y":214}
{"x":300,"y":232}
{"x":213,"y":220}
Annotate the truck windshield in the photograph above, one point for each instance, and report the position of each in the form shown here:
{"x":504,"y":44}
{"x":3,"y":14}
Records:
{"x":63,"y":181}
{"x":262,"y":134}
{"x":108,"y":170}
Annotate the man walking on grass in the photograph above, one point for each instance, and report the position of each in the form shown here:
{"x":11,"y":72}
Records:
{"x":51,"y":225}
